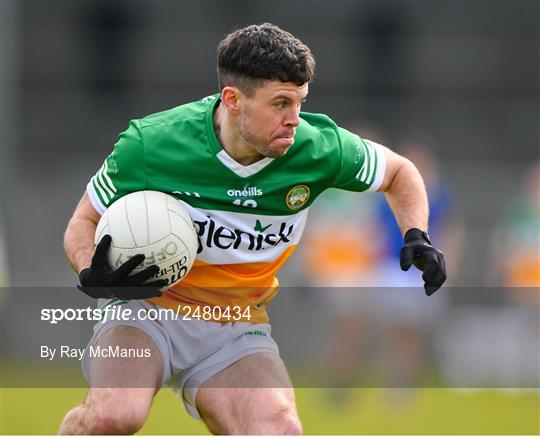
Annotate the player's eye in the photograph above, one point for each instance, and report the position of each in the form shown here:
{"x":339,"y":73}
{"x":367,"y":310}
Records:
{"x":281,"y":105}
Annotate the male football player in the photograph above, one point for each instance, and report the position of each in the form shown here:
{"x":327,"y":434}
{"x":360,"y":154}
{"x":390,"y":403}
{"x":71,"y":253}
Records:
{"x":247,"y":164}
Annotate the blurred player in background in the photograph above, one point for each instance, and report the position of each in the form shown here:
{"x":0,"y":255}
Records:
{"x":247,"y":164}
{"x":519,"y":234}
{"x":405,"y":318}
{"x":500,"y":341}
{"x":378,"y":317}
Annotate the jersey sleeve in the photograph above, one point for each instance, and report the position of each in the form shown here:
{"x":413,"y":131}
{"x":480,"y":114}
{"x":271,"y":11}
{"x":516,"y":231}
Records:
{"x":122,"y":172}
{"x":362,"y":164}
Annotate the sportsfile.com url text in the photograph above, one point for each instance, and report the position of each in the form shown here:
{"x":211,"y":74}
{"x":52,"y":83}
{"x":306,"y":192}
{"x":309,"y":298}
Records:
{"x":206,"y":313}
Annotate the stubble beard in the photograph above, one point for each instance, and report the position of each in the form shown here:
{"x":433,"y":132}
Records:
{"x":251,"y":138}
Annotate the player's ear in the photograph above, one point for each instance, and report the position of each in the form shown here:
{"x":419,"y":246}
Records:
{"x":230,"y":97}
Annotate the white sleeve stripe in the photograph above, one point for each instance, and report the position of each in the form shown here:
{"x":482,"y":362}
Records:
{"x":372,"y":158}
{"x":365,"y":163}
{"x":99,"y":188}
{"x":380,"y":170}
{"x":103,"y":184}
{"x":107,"y":177}
{"x":365,"y":175}
{"x":358,"y":175}
{"x":94,"y":199}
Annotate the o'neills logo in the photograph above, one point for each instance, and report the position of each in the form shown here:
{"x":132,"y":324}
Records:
{"x":245,"y":192}
{"x":211,"y":234}
{"x":297,"y":196}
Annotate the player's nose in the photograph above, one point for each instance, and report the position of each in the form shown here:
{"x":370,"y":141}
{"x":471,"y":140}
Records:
{"x":293,"y":119}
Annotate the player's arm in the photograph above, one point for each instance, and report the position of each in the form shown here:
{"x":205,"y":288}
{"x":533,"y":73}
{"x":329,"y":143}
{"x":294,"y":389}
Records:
{"x":406,"y":195}
{"x":96,"y":276}
{"x":405,"y":192}
{"x":79,"y":236}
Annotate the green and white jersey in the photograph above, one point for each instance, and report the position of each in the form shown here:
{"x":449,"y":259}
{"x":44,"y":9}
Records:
{"x":249,"y":218}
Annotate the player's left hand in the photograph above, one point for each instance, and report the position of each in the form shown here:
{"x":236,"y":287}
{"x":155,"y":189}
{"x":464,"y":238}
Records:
{"x":419,"y":251}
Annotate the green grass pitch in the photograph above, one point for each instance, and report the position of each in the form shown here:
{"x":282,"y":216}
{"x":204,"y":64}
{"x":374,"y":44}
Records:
{"x":363,"y":411}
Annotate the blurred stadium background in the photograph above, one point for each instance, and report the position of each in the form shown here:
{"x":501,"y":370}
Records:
{"x":452,"y":85}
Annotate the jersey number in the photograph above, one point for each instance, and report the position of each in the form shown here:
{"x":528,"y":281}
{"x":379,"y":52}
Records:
{"x":250,"y":203}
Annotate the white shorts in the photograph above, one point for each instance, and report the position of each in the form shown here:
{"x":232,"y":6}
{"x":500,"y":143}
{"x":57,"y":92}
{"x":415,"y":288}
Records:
{"x":192,"y":350}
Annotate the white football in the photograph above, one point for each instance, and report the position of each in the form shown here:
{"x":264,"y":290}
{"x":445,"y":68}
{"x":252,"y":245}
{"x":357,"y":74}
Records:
{"x":154,"y":224}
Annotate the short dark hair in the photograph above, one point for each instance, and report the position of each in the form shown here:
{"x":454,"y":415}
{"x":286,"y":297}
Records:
{"x":249,"y":56}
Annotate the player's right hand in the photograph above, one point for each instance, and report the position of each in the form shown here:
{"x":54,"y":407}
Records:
{"x":101,"y":281}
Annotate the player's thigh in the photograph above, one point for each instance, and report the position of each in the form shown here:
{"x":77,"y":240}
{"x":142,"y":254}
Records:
{"x":125,"y":373}
{"x":252,"y":395}
{"x":125,"y":357}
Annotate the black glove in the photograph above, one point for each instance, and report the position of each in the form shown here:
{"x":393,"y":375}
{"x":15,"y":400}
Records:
{"x":419,"y":251}
{"x":100,"y":280}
